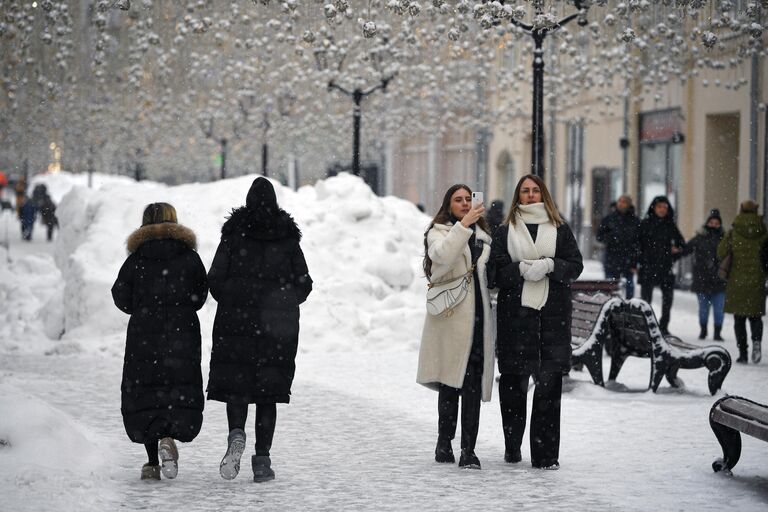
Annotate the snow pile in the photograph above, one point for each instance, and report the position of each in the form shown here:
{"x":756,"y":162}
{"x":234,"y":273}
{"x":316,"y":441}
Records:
{"x":31,"y":297}
{"x":364,"y":255}
{"x":43,"y":449}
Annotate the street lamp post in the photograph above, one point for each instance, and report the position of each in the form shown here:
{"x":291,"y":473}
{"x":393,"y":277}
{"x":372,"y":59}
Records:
{"x":357,"y":97}
{"x":206,"y":125}
{"x":264,"y":146}
{"x":539,"y":31}
{"x":223,"y":143}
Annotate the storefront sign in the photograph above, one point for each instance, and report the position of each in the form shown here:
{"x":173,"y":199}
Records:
{"x":661,"y":126}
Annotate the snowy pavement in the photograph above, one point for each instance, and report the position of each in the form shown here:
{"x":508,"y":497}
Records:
{"x":359,"y":433}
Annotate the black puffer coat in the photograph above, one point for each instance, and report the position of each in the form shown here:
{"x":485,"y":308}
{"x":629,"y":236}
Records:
{"x":259,"y":277}
{"x":530,"y":341}
{"x":161,"y":285}
{"x":657,"y":236}
{"x":705,"y":264}
{"x":619,"y":232}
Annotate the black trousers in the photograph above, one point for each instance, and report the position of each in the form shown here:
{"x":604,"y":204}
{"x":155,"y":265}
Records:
{"x":266,"y":418}
{"x":740,"y":329}
{"x":151,"y":447}
{"x":667,"y":294}
{"x":448,"y":409}
{"x":545,"y":416}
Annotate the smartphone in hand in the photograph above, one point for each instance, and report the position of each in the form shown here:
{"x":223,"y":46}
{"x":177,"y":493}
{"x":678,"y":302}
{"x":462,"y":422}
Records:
{"x":477,"y":198}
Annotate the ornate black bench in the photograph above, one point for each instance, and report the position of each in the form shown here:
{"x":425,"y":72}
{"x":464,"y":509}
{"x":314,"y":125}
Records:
{"x":731,"y":415}
{"x":635,"y":332}
{"x":590,"y":330}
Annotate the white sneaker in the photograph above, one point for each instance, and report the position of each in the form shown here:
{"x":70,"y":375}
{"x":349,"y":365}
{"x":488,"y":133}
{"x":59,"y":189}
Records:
{"x":169,"y":457}
{"x":230,"y":464}
{"x":757,"y":354}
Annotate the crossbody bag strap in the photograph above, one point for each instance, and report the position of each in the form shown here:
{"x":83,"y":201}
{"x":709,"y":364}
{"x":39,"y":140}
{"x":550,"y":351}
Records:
{"x":463,"y":276}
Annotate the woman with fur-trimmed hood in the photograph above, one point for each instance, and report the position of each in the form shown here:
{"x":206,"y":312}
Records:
{"x":161,"y":285}
{"x":456,"y":356}
{"x":259,"y":277}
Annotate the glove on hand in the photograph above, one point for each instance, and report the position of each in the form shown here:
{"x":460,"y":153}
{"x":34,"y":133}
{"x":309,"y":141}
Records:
{"x":525,"y":266}
{"x":539,"y":269}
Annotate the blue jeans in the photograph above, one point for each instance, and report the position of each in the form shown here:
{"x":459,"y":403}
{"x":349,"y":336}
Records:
{"x":717,"y":300}
{"x":628,"y":275}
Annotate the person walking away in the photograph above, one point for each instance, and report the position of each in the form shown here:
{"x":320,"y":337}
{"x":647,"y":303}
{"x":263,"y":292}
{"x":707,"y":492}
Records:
{"x":27,"y":215}
{"x":3,"y":184}
{"x":661,"y":244}
{"x":259,"y":278}
{"x":48,"y":213}
{"x":20,"y":188}
{"x":162,"y":285}
{"x":745,"y":289}
{"x":534,"y":259}
{"x":456,"y":355}
{"x":707,"y":285}
{"x":619,"y":231}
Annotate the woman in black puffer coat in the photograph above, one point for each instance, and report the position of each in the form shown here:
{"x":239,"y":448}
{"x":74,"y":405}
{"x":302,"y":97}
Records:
{"x":162,"y":285}
{"x":661,"y":244}
{"x":259,"y":277}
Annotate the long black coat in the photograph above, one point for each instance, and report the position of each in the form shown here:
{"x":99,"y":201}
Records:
{"x":705,"y":264}
{"x":530,"y":341}
{"x":259,"y":277}
{"x":161,"y":285}
{"x":619,"y":232}
{"x":656,"y":238}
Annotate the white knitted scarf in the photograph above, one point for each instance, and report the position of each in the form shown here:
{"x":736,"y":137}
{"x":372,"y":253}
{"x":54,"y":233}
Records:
{"x":521,"y":247}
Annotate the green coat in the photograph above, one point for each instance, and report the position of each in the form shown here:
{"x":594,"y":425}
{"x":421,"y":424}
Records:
{"x":745,"y":291}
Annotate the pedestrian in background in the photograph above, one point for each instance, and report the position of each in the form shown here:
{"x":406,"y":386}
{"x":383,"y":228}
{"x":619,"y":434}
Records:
{"x":495,"y":215}
{"x":161,"y":285}
{"x":48,"y":213}
{"x":534,"y":259}
{"x":27,"y":216}
{"x":259,"y":278}
{"x":661,"y":244}
{"x":456,"y":355}
{"x":707,"y":285}
{"x":745,"y":290}
{"x":21,"y":194}
{"x":619,"y":232}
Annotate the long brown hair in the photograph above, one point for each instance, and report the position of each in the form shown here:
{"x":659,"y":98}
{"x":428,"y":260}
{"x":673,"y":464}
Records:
{"x":443,"y":216}
{"x":549,"y":204}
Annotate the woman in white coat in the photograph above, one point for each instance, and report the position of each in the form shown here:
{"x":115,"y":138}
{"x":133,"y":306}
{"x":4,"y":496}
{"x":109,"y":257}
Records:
{"x":457,"y":347}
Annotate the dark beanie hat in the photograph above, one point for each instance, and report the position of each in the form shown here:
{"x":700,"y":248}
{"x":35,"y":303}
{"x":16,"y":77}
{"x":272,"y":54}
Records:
{"x":261,"y":196}
{"x":714,"y":213}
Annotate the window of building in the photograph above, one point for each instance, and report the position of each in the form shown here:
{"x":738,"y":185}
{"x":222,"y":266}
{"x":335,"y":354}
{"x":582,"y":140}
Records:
{"x":660,"y":155}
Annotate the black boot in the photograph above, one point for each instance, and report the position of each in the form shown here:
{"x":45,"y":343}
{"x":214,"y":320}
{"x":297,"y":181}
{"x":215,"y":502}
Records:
{"x":740,"y":330}
{"x":262,"y":468}
{"x":703,"y":333}
{"x":512,"y":455}
{"x":742,"y":356}
{"x":718,"y":330}
{"x":444,"y":451}
{"x":469,"y":460}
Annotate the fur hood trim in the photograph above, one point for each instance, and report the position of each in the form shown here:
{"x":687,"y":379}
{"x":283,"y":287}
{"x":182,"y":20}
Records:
{"x":245,"y":222}
{"x":166,"y":230}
